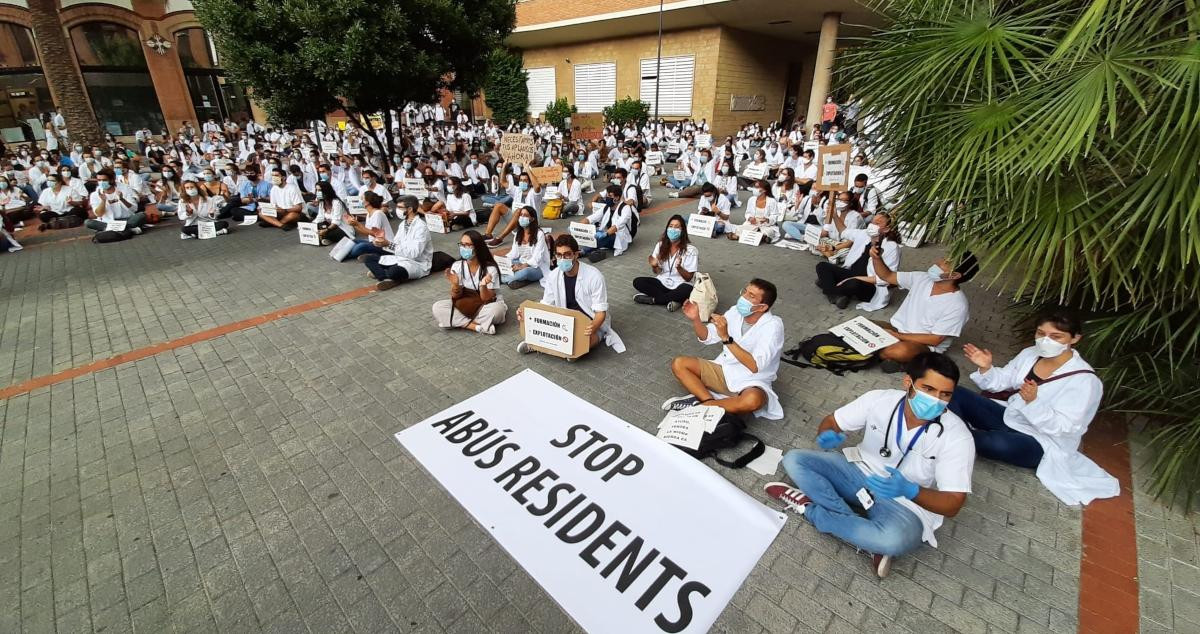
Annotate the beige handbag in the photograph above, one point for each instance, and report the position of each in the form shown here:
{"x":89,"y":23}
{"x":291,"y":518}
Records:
{"x":704,"y":295}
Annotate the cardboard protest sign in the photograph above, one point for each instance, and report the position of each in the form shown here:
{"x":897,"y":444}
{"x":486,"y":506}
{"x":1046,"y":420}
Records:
{"x":546,"y":175}
{"x":555,"y":331}
{"x":587,"y":126}
{"x":308,"y":233}
{"x":833,"y":163}
{"x":517,"y":148}
{"x":863,"y":335}
{"x":703,"y":226}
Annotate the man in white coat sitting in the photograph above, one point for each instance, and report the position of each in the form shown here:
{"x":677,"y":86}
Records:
{"x":1034,"y":411}
{"x":739,"y":379}
{"x":577,"y":286}
{"x":614,"y":224}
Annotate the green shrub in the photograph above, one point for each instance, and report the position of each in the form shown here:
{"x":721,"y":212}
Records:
{"x":627,"y":110}
{"x":557,"y":112}
{"x":504,"y":88}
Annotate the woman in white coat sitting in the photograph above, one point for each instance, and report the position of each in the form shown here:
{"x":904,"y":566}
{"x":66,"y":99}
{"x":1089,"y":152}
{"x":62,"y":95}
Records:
{"x":578,"y":286}
{"x":762,"y":213}
{"x":196,"y":206}
{"x":1034,"y":411}
{"x":530,"y":255}
{"x":411,"y":254}
{"x":475,"y":302}
{"x":613,"y":225}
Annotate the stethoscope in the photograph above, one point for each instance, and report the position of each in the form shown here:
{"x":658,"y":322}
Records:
{"x":898,"y":418}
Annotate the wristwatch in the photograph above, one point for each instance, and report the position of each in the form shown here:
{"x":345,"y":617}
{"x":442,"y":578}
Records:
{"x":729,"y":341}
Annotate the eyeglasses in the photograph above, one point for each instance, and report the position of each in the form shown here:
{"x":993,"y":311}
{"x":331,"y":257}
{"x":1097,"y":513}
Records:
{"x":569,"y":255}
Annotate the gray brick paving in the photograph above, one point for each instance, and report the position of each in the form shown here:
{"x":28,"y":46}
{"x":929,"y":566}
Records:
{"x":250,"y":482}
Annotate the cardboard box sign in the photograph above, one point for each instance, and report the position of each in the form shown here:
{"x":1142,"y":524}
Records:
{"x":584,"y":233}
{"x":833,"y":164}
{"x":546,"y":175}
{"x":555,"y":331}
{"x":517,"y":148}
{"x":435,"y":224}
{"x":703,"y":226}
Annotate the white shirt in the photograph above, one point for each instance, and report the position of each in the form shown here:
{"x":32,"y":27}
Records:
{"x":411,"y":248}
{"x":923,"y":314}
{"x":764,"y":341}
{"x":1057,"y":419}
{"x":378,"y":220}
{"x":114,"y":208}
{"x":286,"y":197}
{"x":669,"y":275}
{"x":477,"y":173}
{"x":705,"y":207}
{"x":470,"y":281}
{"x":536,"y":255}
{"x":937,"y":461}
{"x":336,"y":215}
{"x":57,"y":202}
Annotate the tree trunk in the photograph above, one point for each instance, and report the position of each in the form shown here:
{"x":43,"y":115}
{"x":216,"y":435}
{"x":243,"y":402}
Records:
{"x":62,"y":76}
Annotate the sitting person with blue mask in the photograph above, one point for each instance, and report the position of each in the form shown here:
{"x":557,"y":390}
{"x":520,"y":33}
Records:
{"x":739,"y":379}
{"x":674,"y":262}
{"x":911,"y":469}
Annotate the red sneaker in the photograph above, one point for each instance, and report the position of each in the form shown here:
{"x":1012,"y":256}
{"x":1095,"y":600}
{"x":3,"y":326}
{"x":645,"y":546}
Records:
{"x":882,"y":565}
{"x":792,"y":497}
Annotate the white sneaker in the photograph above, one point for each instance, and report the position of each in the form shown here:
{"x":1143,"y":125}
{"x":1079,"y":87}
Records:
{"x":222,"y":232}
{"x":523,"y":348}
{"x":148,"y":225}
{"x":184,"y":236}
{"x":490,"y":330}
{"x":137,"y":231}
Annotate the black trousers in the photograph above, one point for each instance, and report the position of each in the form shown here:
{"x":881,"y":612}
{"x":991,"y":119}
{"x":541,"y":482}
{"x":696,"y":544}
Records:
{"x":662,"y":295}
{"x":194,"y":230}
{"x":395,"y":272}
{"x":232,"y":210}
{"x":829,"y":275}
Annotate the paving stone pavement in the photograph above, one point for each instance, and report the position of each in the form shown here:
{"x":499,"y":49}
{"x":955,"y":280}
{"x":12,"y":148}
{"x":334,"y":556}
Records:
{"x":251,"y":482}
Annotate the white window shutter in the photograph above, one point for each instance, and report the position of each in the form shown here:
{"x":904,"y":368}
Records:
{"x":595,"y":86}
{"x":675,"y":85}
{"x":541,"y":88}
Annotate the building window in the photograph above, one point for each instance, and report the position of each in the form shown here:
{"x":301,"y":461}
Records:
{"x":213,"y":96}
{"x":542,"y":90}
{"x":595,"y":86}
{"x":675,"y":81}
{"x":114,"y":72}
{"x":24,"y":97}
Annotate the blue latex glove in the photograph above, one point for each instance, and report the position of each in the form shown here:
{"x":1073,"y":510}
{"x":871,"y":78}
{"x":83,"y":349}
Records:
{"x":830,"y":439}
{"x":893,"y":486}
{"x":600,"y":235}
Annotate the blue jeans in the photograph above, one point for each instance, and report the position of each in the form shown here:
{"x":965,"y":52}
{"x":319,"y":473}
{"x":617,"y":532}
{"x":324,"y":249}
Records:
{"x":830,"y":480}
{"x":994,"y":439}
{"x":678,"y":184}
{"x":607,"y":242}
{"x":494,"y":199}
{"x":528,"y":274}
{"x":795,"y":230}
{"x":364,"y":247}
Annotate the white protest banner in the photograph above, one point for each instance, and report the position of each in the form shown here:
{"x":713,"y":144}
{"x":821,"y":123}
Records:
{"x":863,"y":335}
{"x":549,"y":330}
{"x":551,"y":192}
{"x":755,"y":172}
{"x":752,"y":237}
{"x":355,"y":203}
{"x":654,"y":158}
{"x":249,"y":220}
{"x":206,"y":230}
{"x":699,"y":225}
{"x":585,"y":234}
{"x":308,"y":233}
{"x":833,"y":162}
{"x":518,"y":149}
{"x":435,"y":224}
{"x":268,"y":210}
{"x":627,"y":534}
{"x":505,"y":265}
{"x":703,"y":141}
{"x":812,"y":235}
{"x":115,"y":225}
{"x":680,"y":175}
{"x":329,"y":147}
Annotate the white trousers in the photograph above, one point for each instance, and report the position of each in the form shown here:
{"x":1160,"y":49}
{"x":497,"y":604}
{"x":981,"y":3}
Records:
{"x":488,"y":315}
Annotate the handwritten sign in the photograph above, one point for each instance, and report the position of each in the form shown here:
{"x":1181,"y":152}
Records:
{"x":588,"y":126}
{"x":435,"y":223}
{"x":700,"y":225}
{"x":249,"y":220}
{"x":585,"y":234}
{"x":206,"y":230}
{"x":752,"y":237}
{"x":551,"y":192}
{"x":654,"y":158}
{"x":329,"y":147}
{"x":703,"y":141}
{"x":755,"y":172}
{"x":356,"y":205}
{"x":268,"y":210}
{"x":115,"y":225}
{"x":863,"y":335}
{"x":544,"y":175}
{"x":518,"y":148}
{"x":680,"y":175}
{"x":833,"y":164}
{"x":504,"y":263}
{"x":812,"y":235}
{"x":308,"y":233}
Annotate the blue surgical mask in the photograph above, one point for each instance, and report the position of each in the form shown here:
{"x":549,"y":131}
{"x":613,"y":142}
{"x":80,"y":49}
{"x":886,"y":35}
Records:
{"x":673,"y":234}
{"x":565,"y":265}
{"x":523,"y":221}
{"x":524,"y":186}
{"x":926,"y":407}
{"x":323,"y":176}
{"x":118,"y":171}
{"x":465,"y":252}
{"x":936,"y":273}
{"x":744,"y":307}
{"x":104,"y":185}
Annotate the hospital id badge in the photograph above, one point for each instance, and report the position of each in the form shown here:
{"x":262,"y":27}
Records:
{"x":865,"y":499}
{"x":852,"y":454}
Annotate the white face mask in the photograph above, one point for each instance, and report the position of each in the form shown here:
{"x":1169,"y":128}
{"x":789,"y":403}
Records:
{"x":873,"y":230}
{"x":1047,"y":347}
{"x":841,"y":206}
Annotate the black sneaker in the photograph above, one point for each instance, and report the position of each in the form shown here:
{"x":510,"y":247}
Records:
{"x":642,"y":298}
{"x":680,"y":403}
{"x":673,"y":306}
{"x":843,"y":302}
{"x":596,"y":256}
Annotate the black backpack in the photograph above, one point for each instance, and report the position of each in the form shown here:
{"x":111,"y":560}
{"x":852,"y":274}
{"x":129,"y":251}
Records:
{"x":828,"y":351}
{"x":440,"y":262}
{"x":104,"y":237}
{"x":729,"y":433}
